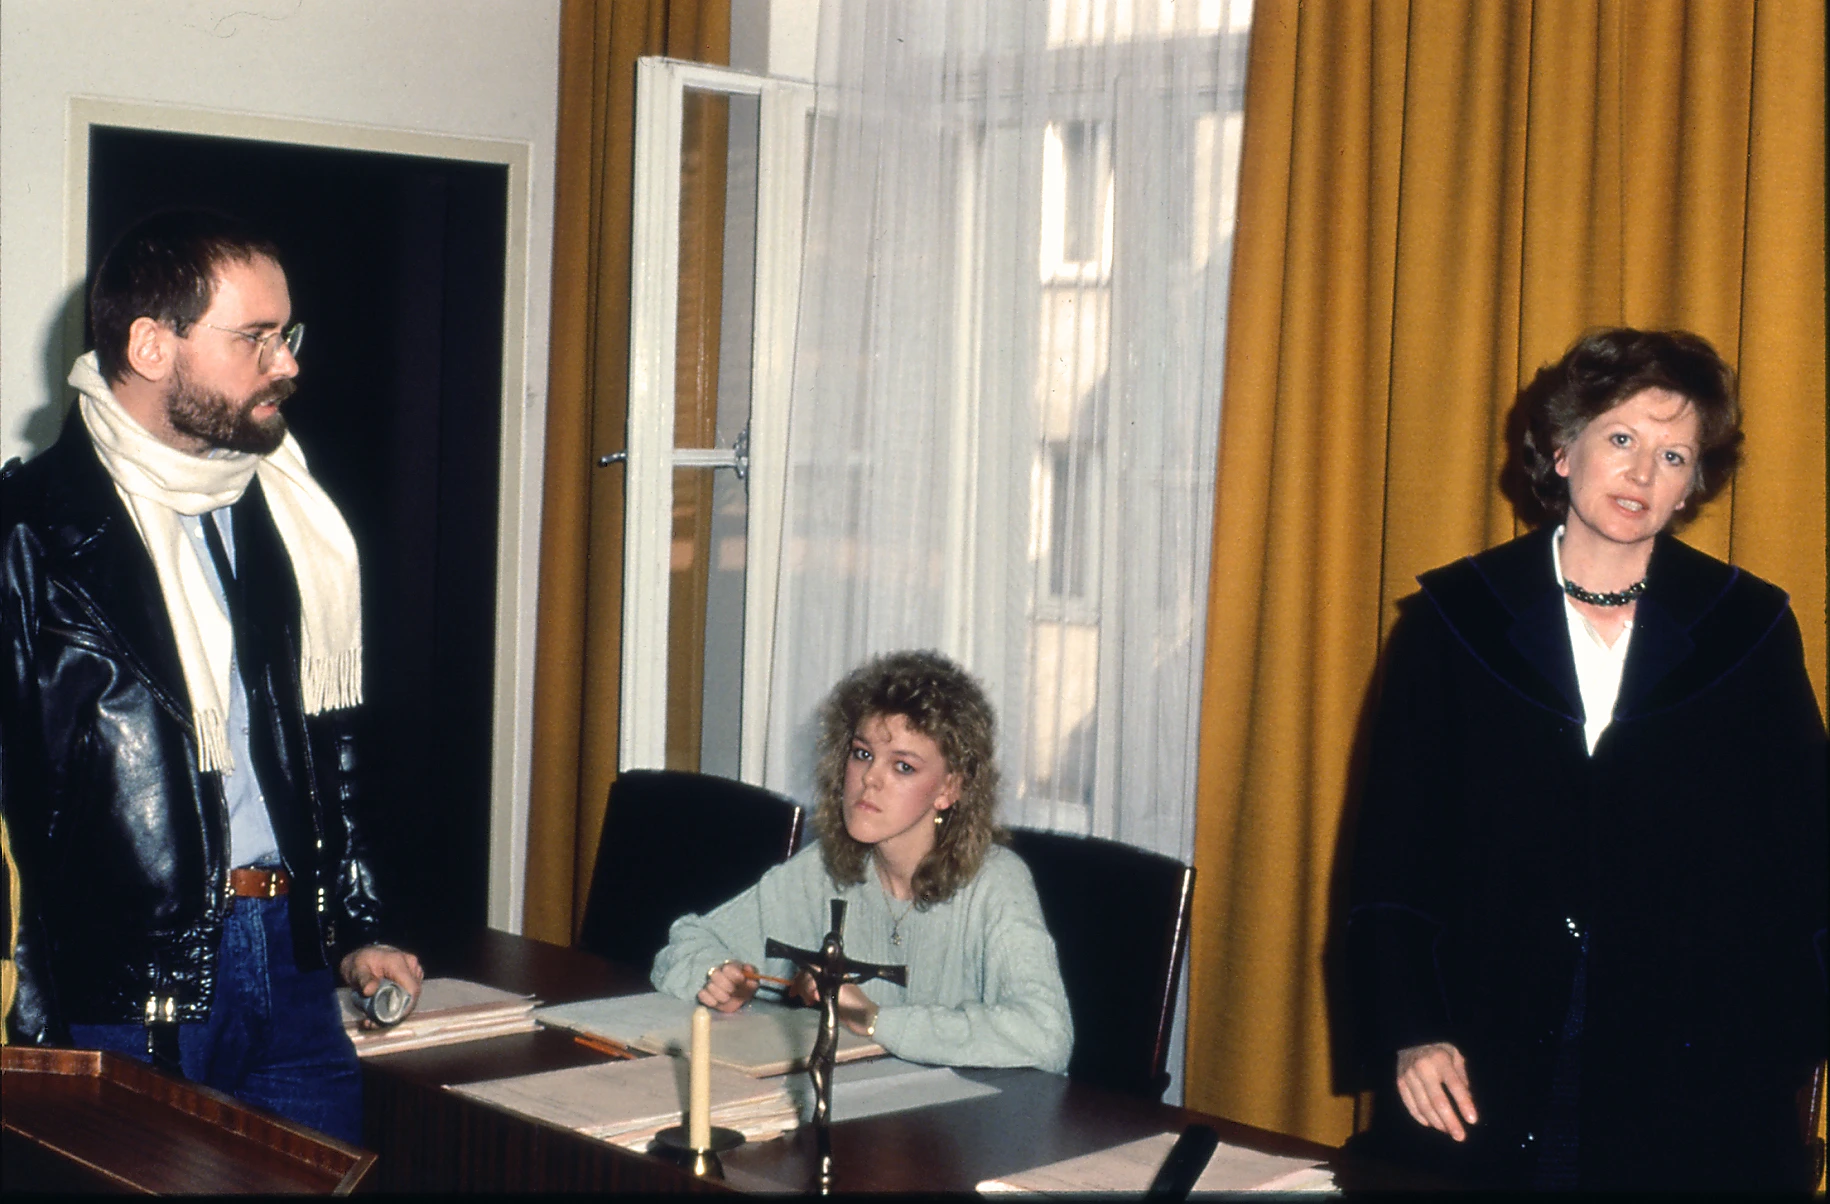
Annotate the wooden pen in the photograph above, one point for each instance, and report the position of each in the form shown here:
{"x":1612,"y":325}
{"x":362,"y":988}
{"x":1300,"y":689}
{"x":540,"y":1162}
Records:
{"x":604,"y":1045}
{"x":784,"y":983}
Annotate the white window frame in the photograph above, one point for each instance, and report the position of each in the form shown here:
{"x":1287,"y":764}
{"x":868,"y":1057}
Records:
{"x":655,"y":286}
{"x":979,"y":439}
{"x":1057,"y":268}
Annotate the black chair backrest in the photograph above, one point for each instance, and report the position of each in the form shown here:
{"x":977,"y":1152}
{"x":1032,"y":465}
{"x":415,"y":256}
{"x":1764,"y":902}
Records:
{"x":1119,"y":916}
{"x":674,"y":843}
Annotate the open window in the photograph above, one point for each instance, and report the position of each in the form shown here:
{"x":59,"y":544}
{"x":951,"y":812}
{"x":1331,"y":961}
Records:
{"x":720,"y":174}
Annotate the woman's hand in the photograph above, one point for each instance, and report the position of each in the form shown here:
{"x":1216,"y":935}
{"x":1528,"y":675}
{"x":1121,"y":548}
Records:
{"x":729,"y":986}
{"x":856,"y":1011}
{"x":1433,"y":1083}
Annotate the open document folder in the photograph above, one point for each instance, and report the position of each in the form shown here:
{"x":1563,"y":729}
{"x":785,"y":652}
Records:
{"x":629,"y":1102}
{"x":449,"y":1010}
{"x":1131,"y":1167}
{"x":761,"y":1040}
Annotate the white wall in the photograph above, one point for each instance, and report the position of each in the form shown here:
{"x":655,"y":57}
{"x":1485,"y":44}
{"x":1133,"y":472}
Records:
{"x":474,"y":69}
{"x":775,"y":37}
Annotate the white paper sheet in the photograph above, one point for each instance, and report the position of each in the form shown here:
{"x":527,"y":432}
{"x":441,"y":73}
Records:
{"x":627,"y":1102}
{"x":761,"y":1040}
{"x":885,"y":1085}
{"x":449,"y":1010}
{"x":621,"y":1018}
{"x":1131,"y":1168}
{"x":445,"y":995}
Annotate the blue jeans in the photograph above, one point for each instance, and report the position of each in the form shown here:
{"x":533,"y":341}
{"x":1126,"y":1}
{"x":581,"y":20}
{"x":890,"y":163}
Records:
{"x":273,"y":1038}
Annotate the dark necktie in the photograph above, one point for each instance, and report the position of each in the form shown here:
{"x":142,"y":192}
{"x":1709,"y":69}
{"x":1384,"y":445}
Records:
{"x":225,"y":571}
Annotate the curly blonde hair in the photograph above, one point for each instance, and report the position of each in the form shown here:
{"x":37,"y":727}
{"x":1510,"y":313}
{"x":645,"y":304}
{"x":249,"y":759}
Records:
{"x":943,"y":702}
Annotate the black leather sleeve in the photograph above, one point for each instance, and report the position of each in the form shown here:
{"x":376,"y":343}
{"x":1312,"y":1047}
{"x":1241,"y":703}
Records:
{"x":357,"y":914}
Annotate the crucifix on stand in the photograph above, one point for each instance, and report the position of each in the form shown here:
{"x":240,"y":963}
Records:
{"x":830,"y":970}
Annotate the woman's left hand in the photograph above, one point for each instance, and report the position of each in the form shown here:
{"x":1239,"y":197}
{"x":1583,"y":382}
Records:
{"x":856,"y":1011}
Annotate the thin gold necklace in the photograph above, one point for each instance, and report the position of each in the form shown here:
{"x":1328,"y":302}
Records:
{"x":896,"y":924}
{"x":890,"y":903}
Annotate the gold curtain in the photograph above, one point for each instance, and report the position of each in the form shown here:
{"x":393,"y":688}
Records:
{"x":1436,"y":197}
{"x":578,"y":668}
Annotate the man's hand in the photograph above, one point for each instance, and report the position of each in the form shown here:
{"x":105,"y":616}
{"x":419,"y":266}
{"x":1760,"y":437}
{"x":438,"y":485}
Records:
{"x":1433,"y":1082}
{"x":729,"y":986}
{"x":366,"y":967}
{"x":856,"y":1011}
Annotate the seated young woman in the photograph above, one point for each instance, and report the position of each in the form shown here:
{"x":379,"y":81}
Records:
{"x":907,"y":785}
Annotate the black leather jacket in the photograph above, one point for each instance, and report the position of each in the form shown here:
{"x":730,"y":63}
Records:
{"x":122,"y":842}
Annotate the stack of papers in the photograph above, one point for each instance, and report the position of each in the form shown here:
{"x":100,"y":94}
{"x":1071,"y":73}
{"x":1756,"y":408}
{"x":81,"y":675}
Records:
{"x":449,"y":1010}
{"x":888,"y":1085}
{"x":761,"y":1040}
{"x":1132,"y":1167}
{"x":629,"y":1102}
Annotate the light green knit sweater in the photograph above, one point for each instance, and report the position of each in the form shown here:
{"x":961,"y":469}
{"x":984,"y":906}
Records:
{"x":984,"y":988}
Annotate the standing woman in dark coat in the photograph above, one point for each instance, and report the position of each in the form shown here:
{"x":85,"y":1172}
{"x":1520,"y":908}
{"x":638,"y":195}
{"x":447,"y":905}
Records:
{"x":1586,"y":945}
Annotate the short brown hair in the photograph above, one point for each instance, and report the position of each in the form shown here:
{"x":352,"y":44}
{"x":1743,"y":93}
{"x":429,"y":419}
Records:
{"x":1606,"y":367}
{"x":164,"y":267}
{"x":941,"y":701}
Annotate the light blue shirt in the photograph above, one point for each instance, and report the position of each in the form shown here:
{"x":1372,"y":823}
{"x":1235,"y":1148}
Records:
{"x":251,"y":839}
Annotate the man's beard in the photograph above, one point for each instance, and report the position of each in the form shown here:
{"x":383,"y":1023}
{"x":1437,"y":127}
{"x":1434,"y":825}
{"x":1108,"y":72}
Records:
{"x":219,"y":422}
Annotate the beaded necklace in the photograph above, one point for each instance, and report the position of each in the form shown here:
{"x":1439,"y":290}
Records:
{"x":1621,"y":598}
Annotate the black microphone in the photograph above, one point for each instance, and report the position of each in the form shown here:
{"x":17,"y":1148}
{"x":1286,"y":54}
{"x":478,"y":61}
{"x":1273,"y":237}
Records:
{"x":1187,"y":1159}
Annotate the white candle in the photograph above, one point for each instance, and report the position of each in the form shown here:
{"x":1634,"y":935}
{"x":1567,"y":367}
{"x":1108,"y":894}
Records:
{"x":699,"y":1107}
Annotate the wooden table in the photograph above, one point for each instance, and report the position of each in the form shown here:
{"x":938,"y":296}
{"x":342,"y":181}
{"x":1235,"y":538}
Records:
{"x":430,"y":1139}
{"x":82,"y":1120}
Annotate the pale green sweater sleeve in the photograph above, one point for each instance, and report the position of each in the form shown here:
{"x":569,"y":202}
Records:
{"x":777,"y":906}
{"x":984,"y":987}
{"x":990,"y":994}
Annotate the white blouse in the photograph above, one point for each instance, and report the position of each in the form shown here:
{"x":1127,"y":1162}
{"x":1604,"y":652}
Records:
{"x":1597,"y":665}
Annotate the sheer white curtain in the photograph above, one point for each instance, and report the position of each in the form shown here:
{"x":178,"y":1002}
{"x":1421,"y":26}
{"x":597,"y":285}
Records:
{"x":1007,"y":383}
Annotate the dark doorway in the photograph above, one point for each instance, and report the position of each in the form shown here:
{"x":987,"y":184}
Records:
{"x":395,"y":264}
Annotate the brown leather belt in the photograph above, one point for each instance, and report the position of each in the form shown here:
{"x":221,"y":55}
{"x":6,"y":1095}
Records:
{"x":258,"y":884}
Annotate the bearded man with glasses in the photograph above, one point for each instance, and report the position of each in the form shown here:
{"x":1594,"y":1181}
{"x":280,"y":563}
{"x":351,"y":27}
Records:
{"x":180,"y":614}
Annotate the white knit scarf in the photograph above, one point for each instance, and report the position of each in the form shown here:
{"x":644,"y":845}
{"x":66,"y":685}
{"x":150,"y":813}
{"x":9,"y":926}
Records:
{"x":158,"y":483}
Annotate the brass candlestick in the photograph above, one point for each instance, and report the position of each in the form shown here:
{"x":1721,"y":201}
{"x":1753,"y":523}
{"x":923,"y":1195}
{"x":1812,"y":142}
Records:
{"x":696,"y":1145}
{"x":676,"y":1146}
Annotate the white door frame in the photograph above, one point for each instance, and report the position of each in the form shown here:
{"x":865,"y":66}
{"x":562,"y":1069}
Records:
{"x":518,"y":492}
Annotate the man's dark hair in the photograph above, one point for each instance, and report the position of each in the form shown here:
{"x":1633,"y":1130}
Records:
{"x":164,"y":268}
{"x":1607,"y":367}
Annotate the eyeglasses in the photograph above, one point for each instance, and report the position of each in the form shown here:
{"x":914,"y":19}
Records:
{"x":268,"y":343}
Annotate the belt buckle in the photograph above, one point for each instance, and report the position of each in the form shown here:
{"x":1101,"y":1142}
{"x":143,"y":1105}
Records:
{"x":273,"y":883}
